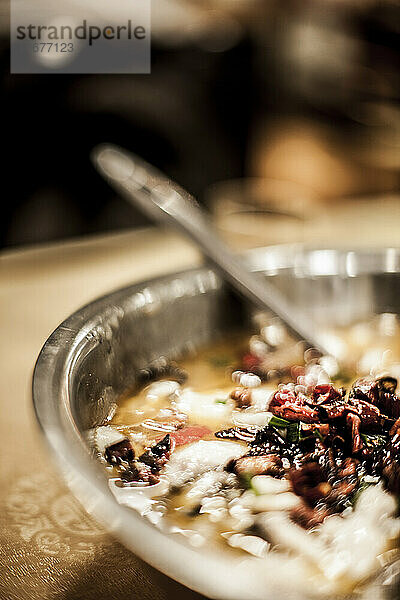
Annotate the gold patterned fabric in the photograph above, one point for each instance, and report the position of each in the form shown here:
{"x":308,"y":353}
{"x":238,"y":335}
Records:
{"x":49,"y":548}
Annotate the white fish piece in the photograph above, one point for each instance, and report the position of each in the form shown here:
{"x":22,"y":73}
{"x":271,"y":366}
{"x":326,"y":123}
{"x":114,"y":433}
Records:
{"x":162,"y":389}
{"x":281,"y":530}
{"x":374,"y":503}
{"x":134,"y":494}
{"x":209,"y":483}
{"x":241,"y":517}
{"x":212,"y":503}
{"x":265,"y":484}
{"x":236,"y":375}
{"x":131,"y":498}
{"x":258,"y":347}
{"x":274,"y":334}
{"x":154,"y":516}
{"x":380,"y":508}
{"x":216,"y":515}
{"x":372,"y":361}
{"x":270,"y":502}
{"x":106,"y":436}
{"x":330,"y":365}
{"x":251,"y":417}
{"x":199,"y":457}
{"x":250,"y":543}
{"x":351,"y":548}
{"x":194,"y":537}
{"x":261,"y":398}
{"x":246,"y":379}
{"x":202,"y":489}
{"x":344,"y":549}
{"x":250,"y":380}
{"x":355,"y":542}
{"x":204,"y":409}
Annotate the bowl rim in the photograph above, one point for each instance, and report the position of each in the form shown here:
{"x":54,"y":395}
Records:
{"x":84,"y":475}
{"x":208,"y":573}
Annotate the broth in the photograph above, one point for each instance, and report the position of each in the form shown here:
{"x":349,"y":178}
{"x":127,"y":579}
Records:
{"x":231,"y":448}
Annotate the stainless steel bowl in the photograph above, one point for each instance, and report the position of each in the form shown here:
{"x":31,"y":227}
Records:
{"x":95,"y":355}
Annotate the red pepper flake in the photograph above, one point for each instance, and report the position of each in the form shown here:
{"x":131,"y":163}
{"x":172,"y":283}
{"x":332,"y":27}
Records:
{"x":250,"y":362}
{"x":188,"y":435}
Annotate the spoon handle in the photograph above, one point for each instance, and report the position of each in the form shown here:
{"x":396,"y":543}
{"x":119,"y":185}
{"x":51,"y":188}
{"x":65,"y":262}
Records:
{"x":164,"y":201}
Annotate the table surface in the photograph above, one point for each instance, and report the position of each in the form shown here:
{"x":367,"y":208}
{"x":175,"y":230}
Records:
{"x":49,"y":548}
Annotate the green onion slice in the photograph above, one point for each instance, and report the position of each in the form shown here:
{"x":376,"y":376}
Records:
{"x":373,"y":441}
{"x":278,"y":422}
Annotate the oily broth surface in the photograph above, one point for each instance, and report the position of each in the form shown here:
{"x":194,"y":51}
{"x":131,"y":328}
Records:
{"x":210,"y":373}
{"x":208,"y":370}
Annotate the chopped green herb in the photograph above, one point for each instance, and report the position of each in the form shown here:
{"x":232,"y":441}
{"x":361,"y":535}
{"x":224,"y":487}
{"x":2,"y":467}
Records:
{"x":343,"y":376}
{"x":253,"y":488}
{"x":220,"y":361}
{"x":221,"y":401}
{"x":278,"y":422}
{"x":305,"y":432}
{"x":245,"y":479}
{"x":293,"y":433}
{"x":373,"y":441}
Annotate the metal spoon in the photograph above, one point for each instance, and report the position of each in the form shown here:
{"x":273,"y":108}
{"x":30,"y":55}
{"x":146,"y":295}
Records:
{"x":164,"y":201}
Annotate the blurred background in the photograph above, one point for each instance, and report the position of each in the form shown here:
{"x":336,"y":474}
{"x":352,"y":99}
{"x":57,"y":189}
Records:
{"x":283,"y":118}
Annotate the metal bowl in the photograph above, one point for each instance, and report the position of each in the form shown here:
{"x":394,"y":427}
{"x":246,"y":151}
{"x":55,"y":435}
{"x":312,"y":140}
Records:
{"x":94,"y":356}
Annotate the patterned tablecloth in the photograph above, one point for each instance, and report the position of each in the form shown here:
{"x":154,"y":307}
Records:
{"x":49,"y":548}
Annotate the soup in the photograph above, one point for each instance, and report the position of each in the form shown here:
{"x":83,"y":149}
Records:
{"x":261,"y":447}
